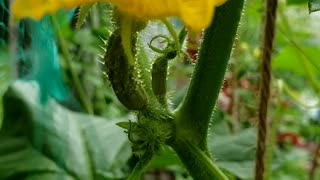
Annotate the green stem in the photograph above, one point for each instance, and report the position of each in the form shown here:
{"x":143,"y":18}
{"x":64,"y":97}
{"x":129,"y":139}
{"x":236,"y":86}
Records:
{"x":193,"y":115}
{"x":138,"y":170}
{"x":197,"y":162}
{"x":295,"y":96}
{"x":272,"y":137}
{"x":79,"y":89}
{"x":174,"y":35}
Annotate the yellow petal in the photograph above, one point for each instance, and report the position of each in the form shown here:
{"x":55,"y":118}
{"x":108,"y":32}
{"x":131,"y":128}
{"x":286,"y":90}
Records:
{"x":38,"y":8}
{"x":148,"y":9}
{"x":220,"y":2}
{"x":196,"y":14}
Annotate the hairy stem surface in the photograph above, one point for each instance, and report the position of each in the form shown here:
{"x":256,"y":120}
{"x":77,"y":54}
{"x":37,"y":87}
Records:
{"x":193,"y":115}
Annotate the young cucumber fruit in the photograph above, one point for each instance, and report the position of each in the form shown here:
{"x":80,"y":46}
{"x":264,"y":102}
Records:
{"x":124,"y":76}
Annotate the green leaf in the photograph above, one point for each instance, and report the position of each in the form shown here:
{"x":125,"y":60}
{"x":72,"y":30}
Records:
{"x":314,"y":5}
{"x":165,"y":158}
{"x":296,"y":2}
{"x":311,"y":132}
{"x":124,"y":125}
{"x":40,"y":142}
{"x":290,"y":164}
{"x":235,"y":153}
{"x":5,"y":77}
{"x":302,"y":63}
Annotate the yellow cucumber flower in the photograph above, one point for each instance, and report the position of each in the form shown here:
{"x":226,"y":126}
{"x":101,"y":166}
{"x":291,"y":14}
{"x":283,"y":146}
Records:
{"x":196,"y":14}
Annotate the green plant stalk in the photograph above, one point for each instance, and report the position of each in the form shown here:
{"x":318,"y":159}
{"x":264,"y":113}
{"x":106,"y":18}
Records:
{"x":313,"y":81}
{"x":272,"y":136}
{"x":193,"y":115}
{"x":295,"y":97}
{"x":197,"y":162}
{"x":174,"y":35}
{"x":81,"y":93}
{"x":138,"y":170}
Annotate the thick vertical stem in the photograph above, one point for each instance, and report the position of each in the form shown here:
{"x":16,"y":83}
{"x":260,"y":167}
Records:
{"x":138,"y":171}
{"x":193,"y":116}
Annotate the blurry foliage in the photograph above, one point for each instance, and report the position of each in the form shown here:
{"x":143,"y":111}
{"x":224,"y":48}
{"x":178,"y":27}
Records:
{"x":296,"y":63}
{"x":50,"y":142}
{"x":53,"y":142}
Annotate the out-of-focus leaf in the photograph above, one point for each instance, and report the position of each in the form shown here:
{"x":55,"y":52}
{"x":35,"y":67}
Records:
{"x":314,"y":5}
{"x":165,"y":158}
{"x":235,"y":153}
{"x":5,"y":78}
{"x":311,"y":132}
{"x":299,"y":98}
{"x":290,"y":164}
{"x":87,"y":41}
{"x":296,"y":2}
{"x":52,"y":142}
{"x":292,"y":60}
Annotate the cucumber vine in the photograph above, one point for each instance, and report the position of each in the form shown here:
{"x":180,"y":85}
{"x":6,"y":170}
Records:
{"x":184,"y":129}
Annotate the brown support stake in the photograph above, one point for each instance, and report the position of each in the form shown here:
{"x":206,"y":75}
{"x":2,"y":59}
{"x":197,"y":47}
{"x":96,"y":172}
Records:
{"x":265,"y":78}
{"x":315,"y":163}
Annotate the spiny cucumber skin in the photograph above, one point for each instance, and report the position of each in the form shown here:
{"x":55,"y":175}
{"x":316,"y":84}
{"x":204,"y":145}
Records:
{"x":159,"y":78}
{"x":82,"y":15}
{"x":123,"y":77}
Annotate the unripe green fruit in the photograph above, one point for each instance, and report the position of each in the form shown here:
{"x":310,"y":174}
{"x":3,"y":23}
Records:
{"x":159,"y":76}
{"x":123,"y":76}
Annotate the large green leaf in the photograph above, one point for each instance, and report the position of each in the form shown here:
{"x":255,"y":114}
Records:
{"x":234,"y":153}
{"x":302,"y":61}
{"x":47,"y":142}
{"x":314,"y":5}
{"x":290,"y":164}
